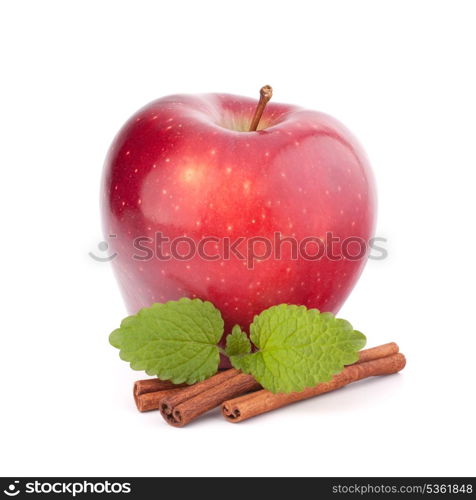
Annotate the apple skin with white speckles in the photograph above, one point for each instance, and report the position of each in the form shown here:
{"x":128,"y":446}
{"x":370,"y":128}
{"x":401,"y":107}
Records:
{"x":185,"y":166}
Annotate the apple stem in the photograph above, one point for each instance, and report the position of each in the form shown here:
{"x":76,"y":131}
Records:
{"x":265,"y":95}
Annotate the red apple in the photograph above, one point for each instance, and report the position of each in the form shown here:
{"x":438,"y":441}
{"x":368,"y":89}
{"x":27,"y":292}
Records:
{"x":186,"y":165}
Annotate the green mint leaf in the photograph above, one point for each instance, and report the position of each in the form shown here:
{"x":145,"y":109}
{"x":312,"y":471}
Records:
{"x":174,"y":341}
{"x":359,"y":342}
{"x":298,"y":348}
{"x":237,"y":343}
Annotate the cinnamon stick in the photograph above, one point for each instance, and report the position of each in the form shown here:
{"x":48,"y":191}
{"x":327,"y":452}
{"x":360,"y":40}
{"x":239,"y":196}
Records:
{"x":152,"y":400}
{"x":149,"y":393}
{"x":381,"y":351}
{"x":250,"y":405}
{"x":186,"y":405}
{"x":153,"y":385}
{"x":193,"y":390}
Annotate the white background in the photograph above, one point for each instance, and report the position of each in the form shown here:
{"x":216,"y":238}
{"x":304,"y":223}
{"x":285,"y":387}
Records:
{"x":400,"y":74}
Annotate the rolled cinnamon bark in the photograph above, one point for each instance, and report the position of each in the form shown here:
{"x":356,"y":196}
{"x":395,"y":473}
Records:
{"x":151,"y":400}
{"x":179,"y":410}
{"x":148,"y":393}
{"x":193,"y":390}
{"x":250,"y":405}
{"x":153,"y":385}
{"x":381,"y":351}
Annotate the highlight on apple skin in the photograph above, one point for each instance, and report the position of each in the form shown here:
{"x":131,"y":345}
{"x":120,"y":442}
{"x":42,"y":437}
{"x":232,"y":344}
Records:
{"x":187,"y":168}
